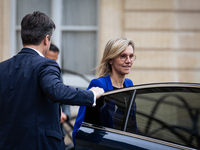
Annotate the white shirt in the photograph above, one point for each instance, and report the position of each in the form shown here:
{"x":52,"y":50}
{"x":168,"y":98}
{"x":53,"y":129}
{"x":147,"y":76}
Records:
{"x":37,"y":52}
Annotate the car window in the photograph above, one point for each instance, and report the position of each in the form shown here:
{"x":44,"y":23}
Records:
{"x":110,"y":110}
{"x":170,"y":114}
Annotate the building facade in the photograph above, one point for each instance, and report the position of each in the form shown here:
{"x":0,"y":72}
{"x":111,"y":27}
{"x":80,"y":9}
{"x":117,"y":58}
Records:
{"x":166,"y":34}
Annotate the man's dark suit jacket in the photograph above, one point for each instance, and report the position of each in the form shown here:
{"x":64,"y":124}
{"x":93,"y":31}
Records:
{"x":30,"y":89}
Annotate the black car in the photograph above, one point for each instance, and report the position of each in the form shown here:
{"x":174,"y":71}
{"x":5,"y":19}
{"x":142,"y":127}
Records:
{"x":151,"y":116}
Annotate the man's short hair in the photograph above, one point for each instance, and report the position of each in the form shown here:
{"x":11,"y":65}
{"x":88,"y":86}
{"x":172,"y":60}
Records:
{"x":53,"y":48}
{"x":34,"y":28}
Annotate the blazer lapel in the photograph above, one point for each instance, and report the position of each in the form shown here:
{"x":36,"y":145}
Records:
{"x":109,"y":83}
{"x":127,"y":82}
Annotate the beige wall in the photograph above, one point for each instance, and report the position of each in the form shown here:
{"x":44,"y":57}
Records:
{"x":4,"y":29}
{"x":166,"y":35}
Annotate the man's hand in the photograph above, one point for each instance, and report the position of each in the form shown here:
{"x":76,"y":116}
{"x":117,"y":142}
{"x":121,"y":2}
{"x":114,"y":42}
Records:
{"x":98,"y":91}
{"x":63,"y":117}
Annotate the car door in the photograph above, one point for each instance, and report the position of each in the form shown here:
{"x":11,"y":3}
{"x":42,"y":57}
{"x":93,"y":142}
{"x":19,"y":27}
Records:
{"x":143,"y":117}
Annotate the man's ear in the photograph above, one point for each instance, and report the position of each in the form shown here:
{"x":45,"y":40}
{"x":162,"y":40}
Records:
{"x":46,"y":39}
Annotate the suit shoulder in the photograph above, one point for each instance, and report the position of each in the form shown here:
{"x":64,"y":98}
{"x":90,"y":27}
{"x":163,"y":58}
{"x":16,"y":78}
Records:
{"x":129,"y":82}
{"x":98,"y":82}
{"x":45,"y":66}
{"x":46,"y":61}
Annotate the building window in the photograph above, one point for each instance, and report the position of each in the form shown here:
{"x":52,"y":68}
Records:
{"x":76,"y":30}
{"x":79,"y":35}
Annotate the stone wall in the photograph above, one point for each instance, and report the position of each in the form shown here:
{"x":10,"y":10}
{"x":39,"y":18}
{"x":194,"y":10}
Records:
{"x":166,"y":36}
{"x":4,"y":29}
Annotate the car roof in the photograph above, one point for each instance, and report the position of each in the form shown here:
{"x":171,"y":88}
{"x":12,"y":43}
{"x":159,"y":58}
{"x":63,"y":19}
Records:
{"x":154,"y":85}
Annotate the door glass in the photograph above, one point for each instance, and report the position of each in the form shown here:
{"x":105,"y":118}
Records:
{"x":170,"y":114}
{"x":110,"y":110}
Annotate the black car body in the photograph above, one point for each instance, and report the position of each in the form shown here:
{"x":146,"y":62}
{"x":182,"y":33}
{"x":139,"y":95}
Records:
{"x":167,"y":117}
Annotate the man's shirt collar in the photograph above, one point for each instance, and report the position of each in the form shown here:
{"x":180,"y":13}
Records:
{"x":37,"y":52}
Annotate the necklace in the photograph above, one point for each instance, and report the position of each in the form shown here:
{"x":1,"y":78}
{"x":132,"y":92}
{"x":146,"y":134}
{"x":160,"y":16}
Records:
{"x":117,"y":82}
{"x":117,"y":86}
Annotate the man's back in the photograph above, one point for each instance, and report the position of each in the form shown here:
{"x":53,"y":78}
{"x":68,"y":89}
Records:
{"x":28,"y":117}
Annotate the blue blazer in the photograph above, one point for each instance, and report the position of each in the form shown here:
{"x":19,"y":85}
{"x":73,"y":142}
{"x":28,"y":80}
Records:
{"x":30,"y":89}
{"x":102,"y":82}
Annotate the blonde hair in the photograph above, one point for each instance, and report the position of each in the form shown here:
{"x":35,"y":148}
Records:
{"x":113,"y":48}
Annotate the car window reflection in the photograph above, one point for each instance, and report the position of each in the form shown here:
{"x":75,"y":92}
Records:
{"x":170,"y":114}
{"x":112,"y":111}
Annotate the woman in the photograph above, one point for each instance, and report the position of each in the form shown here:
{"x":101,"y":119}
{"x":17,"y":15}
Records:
{"x":115,"y":64}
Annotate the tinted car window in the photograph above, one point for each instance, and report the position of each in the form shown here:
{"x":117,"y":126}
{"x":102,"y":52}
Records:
{"x":110,"y":111}
{"x":170,"y":114}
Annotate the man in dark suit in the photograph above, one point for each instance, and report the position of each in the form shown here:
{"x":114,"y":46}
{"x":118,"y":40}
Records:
{"x":30,"y":92}
{"x":65,"y":109}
